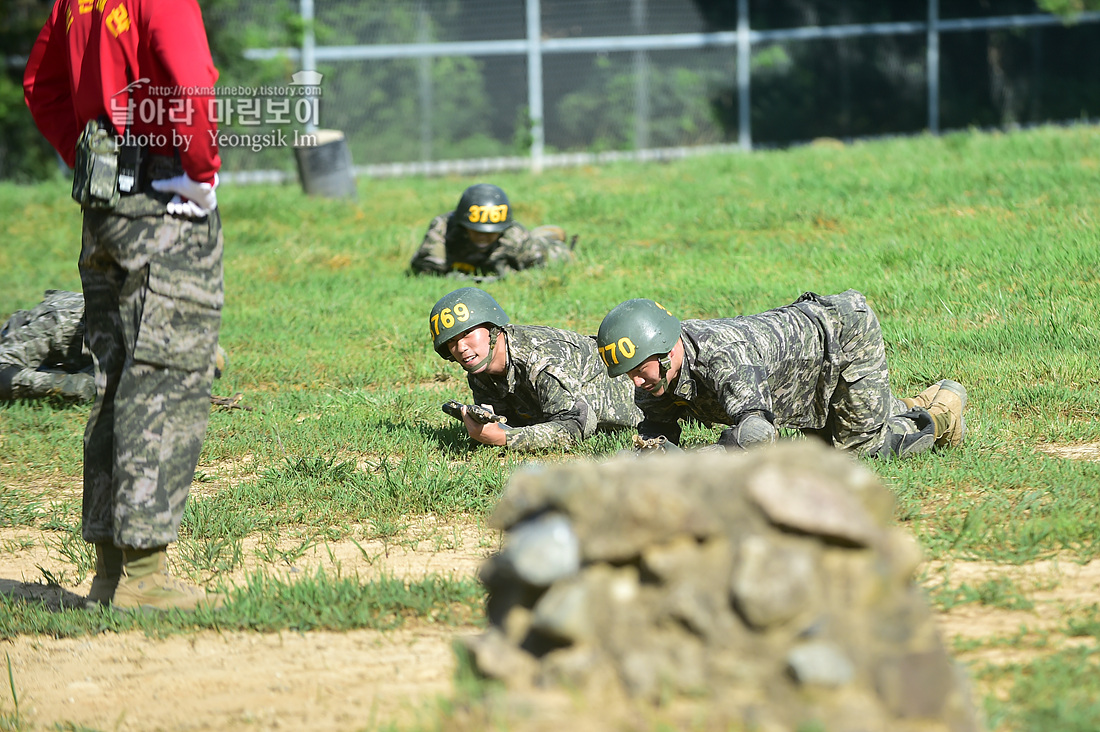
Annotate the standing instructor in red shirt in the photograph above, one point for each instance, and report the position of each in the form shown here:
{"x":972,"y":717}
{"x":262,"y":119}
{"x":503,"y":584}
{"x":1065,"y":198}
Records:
{"x":151,"y":268}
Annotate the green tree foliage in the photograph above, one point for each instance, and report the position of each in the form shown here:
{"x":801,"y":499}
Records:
{"x":398,"y":110}
{"x":24,"y":154}
{"x":456,"y":107}
{"x":601,"y":114}
{"x":1068,"y":7}
{"x":873,"y":85}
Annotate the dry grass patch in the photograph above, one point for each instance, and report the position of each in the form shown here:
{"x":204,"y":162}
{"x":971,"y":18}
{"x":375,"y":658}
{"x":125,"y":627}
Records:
{"x":1089,"y":452}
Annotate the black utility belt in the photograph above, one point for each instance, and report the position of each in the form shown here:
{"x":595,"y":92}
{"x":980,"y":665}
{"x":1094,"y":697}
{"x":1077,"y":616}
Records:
{"x":105,"y":169}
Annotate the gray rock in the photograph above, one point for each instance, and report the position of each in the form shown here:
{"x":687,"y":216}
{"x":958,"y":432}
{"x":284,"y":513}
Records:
{"x":495,"y":657}
{"x":915,"y":684}
{"x":564,"y":612}
{"x":774,"y":580}
{"x":543,"y":549}
{"x":820,"y":664}
{"x":804,"y":500}
{"x":691,"y":595}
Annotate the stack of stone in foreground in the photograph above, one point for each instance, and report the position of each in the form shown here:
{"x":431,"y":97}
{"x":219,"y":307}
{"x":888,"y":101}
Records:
{"x":765,"y":591}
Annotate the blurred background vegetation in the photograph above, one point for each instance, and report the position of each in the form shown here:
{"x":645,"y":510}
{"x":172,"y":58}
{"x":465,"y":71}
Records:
{"x":457,"y":107}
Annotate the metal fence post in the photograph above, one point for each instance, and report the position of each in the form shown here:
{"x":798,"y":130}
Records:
{"x":534,"y":82}
{"x":933,"y":64}
{"x":744,"y":75}
{"x":641,"y":80}
{"x":309,"y":44}
{"x":424,"y":76}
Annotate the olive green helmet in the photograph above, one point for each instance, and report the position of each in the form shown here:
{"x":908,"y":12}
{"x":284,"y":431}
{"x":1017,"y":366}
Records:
{"x":484,"y":207}
{"x":634,"y":331}
{"x":458,"y":312}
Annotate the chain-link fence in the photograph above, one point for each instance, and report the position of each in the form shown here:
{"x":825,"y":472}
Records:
{"x":479,"y":85}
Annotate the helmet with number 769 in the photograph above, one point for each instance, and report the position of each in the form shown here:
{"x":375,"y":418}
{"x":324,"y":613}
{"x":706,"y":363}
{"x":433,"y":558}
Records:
{"x":458,"y":312}
{"x":634,"y":331}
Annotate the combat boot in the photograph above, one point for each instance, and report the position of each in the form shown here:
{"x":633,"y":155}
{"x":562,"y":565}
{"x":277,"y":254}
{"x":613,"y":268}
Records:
{"x":924,"y":399}
{"x":549,"y":231}
{"x":108,"y":570}
{"x":947,"y":413}
{"x":146,"y":584}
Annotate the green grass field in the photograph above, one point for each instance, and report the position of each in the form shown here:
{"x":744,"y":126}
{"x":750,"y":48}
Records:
{"x":980,"y":253}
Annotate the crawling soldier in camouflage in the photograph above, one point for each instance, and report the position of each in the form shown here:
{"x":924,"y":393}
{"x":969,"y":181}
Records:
{"x":43,"y":354}
{"x":818,"y":365}
{"x":550,"y":384}
{"x":42,"y":351}
{"x":480,"y":240}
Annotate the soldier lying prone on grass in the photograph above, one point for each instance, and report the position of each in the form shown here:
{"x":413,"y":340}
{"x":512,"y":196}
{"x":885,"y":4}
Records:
{"x":817,"y":365}
{"x":549,"y":384}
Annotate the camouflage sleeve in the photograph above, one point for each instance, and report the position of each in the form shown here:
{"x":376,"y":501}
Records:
{"x":24,"y":348}
{"x":431,"y":257}
{"x":44,"y":334}
{"x":568,"y":419}
{"x":511,"y":251}
{"x":740,"y":383}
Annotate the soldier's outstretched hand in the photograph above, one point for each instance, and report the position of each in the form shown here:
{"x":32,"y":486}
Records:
{"x":487,"y":434}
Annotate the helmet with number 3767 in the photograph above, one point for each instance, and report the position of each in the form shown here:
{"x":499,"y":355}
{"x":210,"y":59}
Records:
{"x":458,"y":312}
{"x":634,"y":331}
{"x":484,"y":207}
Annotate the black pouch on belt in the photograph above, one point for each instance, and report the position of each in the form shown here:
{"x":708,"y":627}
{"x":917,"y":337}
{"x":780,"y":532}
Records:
{"x":130,"y":158}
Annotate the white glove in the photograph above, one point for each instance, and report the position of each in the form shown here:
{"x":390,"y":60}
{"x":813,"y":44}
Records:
{"x":191,"y":199}
{"x":180,"y":206}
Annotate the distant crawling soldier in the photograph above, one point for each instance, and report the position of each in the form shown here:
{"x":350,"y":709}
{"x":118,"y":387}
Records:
{"x":550,"y":384}
{"x":43,"y":354}
{"x":818,"y":365}
{"x":42,"y":351}
{"x":480,"y":239}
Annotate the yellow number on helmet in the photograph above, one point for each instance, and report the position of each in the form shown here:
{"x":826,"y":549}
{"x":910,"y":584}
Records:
{"x":609,"y":348}
{"x":626,"y":347}
{"x":474,"y":216}
{"x":462,"y":312}
{"x":433,"y":325}
{"x":446,"y":319}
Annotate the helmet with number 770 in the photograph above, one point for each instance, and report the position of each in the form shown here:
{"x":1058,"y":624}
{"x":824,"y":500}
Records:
{"x":634,"y":331}
{"x":484,"y":207}
{"x":459,"y":311}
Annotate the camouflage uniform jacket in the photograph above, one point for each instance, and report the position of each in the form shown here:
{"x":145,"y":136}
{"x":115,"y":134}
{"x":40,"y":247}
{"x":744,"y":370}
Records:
{"x":447,"y":249}
{"x":556,"y":390}
{"x":49,"y":336}
{"x":783,"y":364}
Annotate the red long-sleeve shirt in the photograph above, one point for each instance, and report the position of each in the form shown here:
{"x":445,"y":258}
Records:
{"x":145,"y":64}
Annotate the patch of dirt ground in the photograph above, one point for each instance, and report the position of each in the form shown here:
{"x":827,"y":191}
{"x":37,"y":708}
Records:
{"x":367,"y":679}
{"x":1088,"y":451}
{"x":242,"y":681}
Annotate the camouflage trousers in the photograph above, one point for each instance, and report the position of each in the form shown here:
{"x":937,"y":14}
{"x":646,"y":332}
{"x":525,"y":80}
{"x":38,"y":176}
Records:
{"x":864,"y":415}
{"x":153,"y":293}
{"x":35,"y":384}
